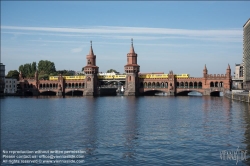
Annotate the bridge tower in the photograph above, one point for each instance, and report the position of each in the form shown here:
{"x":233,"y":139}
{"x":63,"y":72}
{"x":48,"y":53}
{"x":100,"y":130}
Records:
{"x":132,"y":69}
{"x":91,"y":70}
{"x":227,"y":84}
{"x":205,"y":71}
{"x":172,"y":83}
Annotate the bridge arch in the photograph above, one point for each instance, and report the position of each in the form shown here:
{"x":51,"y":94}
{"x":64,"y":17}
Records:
{"x":48,"y":93}
{"x":74,"y":93}
{"x":153,"y":93}
{"x":215,"y":93}
{"x":186,"y":92}
{"x":28,"y":93}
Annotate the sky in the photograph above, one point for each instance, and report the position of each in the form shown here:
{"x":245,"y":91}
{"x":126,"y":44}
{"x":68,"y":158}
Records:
{"x":181,"y":36}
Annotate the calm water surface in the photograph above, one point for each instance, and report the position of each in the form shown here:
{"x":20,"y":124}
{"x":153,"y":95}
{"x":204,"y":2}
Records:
{"x":129,"y":130}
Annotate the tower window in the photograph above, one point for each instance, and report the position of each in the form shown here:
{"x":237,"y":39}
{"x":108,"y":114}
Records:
{"x":89,"y":62}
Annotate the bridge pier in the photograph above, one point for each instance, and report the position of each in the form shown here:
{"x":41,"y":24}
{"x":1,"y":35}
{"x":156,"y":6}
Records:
{"x":59,"y":93}
{"x":171,"y":93}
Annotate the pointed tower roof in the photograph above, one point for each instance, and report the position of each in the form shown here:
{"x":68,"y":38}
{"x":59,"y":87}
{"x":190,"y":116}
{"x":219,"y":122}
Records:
{"x":132,"y":47}
{"x":205,"y":68}
{"x":91,"y":52}
{"x":228,"y":67}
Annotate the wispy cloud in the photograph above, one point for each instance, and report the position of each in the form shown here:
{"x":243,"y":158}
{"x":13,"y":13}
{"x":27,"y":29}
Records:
{"x":143,"y":33}
{"x":77,"y":50}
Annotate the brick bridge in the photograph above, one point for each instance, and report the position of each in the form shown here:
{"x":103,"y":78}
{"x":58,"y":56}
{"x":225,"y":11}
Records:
{"x":209,"y":84}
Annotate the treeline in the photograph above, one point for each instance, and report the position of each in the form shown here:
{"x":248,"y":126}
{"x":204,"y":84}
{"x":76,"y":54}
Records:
{"x":44,"y":68}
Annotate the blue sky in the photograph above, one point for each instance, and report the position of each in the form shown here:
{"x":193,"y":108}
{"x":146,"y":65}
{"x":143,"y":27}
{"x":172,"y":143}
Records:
{"x":181,"y":36}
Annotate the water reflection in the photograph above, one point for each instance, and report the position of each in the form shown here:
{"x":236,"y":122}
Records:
{"x":131,"y":131}
{"x":90,"y":135}
{"x":246,"y":109}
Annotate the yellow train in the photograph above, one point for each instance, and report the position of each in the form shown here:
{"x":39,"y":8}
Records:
{"x":121,"y":77}
{"x":182,"y":75}
{"x":162,"y":76}
{"x":54,"y":78}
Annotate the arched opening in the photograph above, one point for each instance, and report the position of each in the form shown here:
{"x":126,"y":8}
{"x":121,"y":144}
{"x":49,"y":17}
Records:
{"x":186,"y":84}
{"x":216,"y":84}
{"x":182,"y":85}
{"x":195,"y":85}
{"x":48,"y":93}
{"x":73,"y":85}
{"x":88,"y":79}
{"x":69,"y":85}
{"x":129,"y":78}
{"x":153,"y":85}
{"x":157,"y":85}
{"x":221,"y":84}
{"x":66,"y":85}
{"x":189,"y":93}
{"x":200,"y":85}
{"x":77,"y":85}
{"x":177,"y":84}
{"x":211,"y":84}
{"x":190,"y":84}
{"x":162,"y":85}
{"x":74,"y":93}
{"x":145,"y":85}
{"x":154,"y":93}
{"x":50,"y":85}
{"x":166,"y":84}
{"x":149,"y":85}
{"x":28,"y":93}
{"x":215,"y":93}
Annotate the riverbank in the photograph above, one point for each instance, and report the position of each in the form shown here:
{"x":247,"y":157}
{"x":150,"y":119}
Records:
{"x":242,"y":96}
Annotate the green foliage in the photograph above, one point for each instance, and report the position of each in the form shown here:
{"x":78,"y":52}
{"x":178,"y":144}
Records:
{"x":112,"y":70}
{"x":43,"y":76}
{"x":13,"y":74}
{"x":46,"y":67}
{"x":65,"y":73}
{"x":28,"y":69}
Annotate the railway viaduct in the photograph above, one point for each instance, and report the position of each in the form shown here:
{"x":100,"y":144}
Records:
{"x":209,"y":84}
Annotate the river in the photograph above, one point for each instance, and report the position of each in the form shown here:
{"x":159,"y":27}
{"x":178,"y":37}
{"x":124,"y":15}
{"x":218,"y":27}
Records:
{"x":119,"y":130}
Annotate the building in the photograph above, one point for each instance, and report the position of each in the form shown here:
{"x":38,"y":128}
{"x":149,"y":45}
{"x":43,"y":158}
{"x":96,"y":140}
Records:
{"x":246,"y":55}
{"x":237,"y":79}
{"x":10,"y":85}
{"x":2,"y":78}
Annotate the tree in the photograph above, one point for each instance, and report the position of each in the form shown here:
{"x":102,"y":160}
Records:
{"x":112,"y":70}
{"x":28,"y":69}
{"x":46,"y":67}
{"x":13,"y":74}
{"x":43,"y":76}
